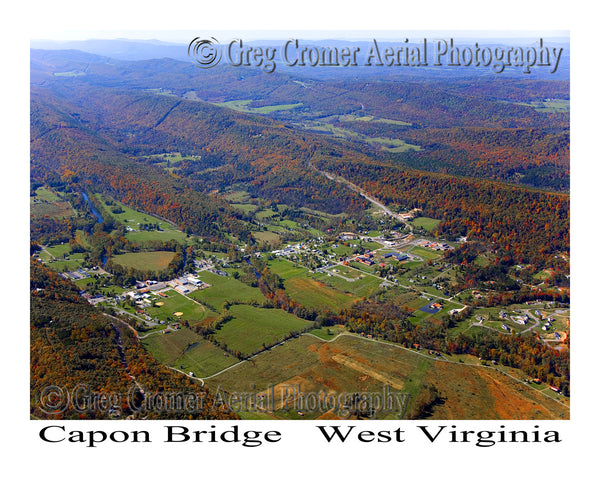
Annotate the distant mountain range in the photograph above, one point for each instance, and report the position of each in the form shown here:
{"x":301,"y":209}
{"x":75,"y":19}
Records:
{"x":128,"y":49}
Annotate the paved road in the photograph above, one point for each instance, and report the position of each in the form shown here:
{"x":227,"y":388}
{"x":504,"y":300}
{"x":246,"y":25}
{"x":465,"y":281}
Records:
{"x":361,"y":192}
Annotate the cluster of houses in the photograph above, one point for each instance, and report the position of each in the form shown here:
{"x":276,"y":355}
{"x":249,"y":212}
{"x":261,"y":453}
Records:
{"x":408,"y":216}
{"x":203,"y":264}
{"x":347,"y":236}
{"x":310,"y":249}
{"x":439,"y":246}
{"x":297,"y":248}
{"x":140,"y":296}
{"x":366,"y":258}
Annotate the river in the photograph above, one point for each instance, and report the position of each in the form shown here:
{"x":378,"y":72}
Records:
{"x":94,"y":211}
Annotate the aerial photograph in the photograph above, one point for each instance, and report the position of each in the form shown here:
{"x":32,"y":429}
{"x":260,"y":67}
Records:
{"x":332,"y":226}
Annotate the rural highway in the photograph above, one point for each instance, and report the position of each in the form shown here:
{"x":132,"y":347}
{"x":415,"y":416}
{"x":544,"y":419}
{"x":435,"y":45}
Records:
{"x":361,"y":192}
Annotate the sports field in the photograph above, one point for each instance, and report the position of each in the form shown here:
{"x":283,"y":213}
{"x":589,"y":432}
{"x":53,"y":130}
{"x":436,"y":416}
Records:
{"x":166,"y":307}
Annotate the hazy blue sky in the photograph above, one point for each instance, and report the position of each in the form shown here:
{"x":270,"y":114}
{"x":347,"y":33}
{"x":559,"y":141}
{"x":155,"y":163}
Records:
{"x":184,"y":36}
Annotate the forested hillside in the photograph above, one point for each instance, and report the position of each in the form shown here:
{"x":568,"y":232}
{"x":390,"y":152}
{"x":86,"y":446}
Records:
{"x":79,"y":352}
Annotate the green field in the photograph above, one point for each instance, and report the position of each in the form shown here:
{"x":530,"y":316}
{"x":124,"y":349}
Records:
{"x":328,"y":333}
{"x":313,"y":293}
{"x":370,"y":118}
{"x":133,"y":219}
{"x":253,"y":327}
{"x":52,"y":209}
{"x":263,"y":214}
{"x":175,"y":302}
{"x":347,"y":271}
{"x":359,"y":287}
{"x":345,"y":249}
{"x":46,"y":202}
{"x":266,"y":236}
{"x":169,"y":159}
{"x":59,"y":251}
{"x":242,"y":106}
{"x":63,"y":261}
{"x":144,"y":261}
{"x":72,"y":73}
{"x":142,"y":237}
{"x":46,"y":195}
{"x":300,"y":285}
{"x":550,"y":105}
{"x":65,"y":265}
{"x":425,"y":253}
{"x":393,"y":144}
{"x":225,"y":289}
{"x":274,"y":108}
{"x":351,"y":247}
{"x":426,"y":223}
{"x":542,"y":275}
{"x":386,"y":143}
{"x":482,"y":260}
{"x":286,"y":269}
{"x":187,"y":351}
{"x":245,"y":207}
{"x":307,"y":364}
{"x":237,"y":196}
{"x":112,"y":290}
